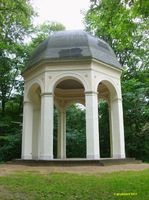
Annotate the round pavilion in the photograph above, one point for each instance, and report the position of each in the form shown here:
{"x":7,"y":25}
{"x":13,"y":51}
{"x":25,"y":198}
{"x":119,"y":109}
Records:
{"x":70,"y":67}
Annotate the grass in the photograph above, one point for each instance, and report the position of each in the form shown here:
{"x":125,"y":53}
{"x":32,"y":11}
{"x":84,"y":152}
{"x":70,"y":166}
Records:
{"x":63,"y":186}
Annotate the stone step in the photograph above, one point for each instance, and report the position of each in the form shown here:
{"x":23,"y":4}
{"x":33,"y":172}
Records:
{"x":75,"y":162}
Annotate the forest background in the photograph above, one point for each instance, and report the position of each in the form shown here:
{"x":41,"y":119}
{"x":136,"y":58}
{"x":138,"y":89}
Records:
{"x":124,"y":24}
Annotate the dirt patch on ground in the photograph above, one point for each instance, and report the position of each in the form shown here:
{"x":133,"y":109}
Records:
{"x":6,"y":169}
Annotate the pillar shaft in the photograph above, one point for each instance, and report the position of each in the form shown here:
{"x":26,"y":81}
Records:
{"x":92,"y":132}
{"x":61,"y":145}
{"x":117,"y":129}
{"x":27,"y":130}
{"x":36,"y":134}
{"x":46,"y":140}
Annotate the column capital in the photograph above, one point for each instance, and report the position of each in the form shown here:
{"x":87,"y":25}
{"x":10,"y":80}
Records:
{"x":91,"y":93}
{"x":46,"y":94}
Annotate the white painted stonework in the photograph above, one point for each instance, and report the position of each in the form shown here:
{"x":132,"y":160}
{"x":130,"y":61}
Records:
{"x":47,"y":84}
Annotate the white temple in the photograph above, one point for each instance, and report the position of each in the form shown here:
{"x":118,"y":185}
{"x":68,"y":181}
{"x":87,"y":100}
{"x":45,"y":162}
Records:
{"x":71,"y":67}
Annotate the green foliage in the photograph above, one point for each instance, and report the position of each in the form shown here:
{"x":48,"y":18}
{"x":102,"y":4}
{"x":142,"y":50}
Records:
{"x":138,"y":7}
{"x":15,"y":24}
{"x":10,"y":147}
{"x":43,"y":31}
{"x":124,"y":25}
{"x":10,"y":130}
{"x":40,"y":33}
{"x":104,"y":131}
{"x":123,"y":28}
{"x":136,"y":114}
{"x":15,"y":29}
{"x":76,"y":132}
{"x":55,"y":186}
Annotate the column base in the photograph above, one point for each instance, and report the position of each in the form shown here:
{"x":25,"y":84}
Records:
{"x":26,"y":157}
{"x":117,"y":155}
{"x":93,"y":157}
{"x":61,"y":157}
{"x":45,"y":157}
{"x":35,"y":157}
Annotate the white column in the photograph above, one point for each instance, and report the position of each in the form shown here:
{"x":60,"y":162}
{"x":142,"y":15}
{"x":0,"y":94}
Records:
{"x":46,"y":137}
{"x":117,"y":126}
{"x":36,"y":134}
{"x":61,"y":139}
{"x":92,"y":131}
{"x":27,"y":130}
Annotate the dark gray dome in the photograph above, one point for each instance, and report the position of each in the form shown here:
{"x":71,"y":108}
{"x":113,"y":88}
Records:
{"x":73,"y":45}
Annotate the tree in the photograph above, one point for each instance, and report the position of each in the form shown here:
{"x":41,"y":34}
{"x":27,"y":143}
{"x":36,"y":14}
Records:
{"x":104,"y":129}
{"x":14,"y":57}
{"x":16,"y":29}
{"x":117,"y":23}
{"x":76,"y":132}
{"x":136,"y":114}
{"x":124,"y":25}
{"x":40,"y":33}
{"x":15,"y":24}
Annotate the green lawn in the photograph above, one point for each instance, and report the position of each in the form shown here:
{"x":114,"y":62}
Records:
{"x":63,"y":186}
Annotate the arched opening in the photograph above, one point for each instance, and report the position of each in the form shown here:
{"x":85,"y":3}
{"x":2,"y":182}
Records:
{"x":106,"y":92}
{"x":68,"y":93}
{"x":35,"y":101}
{"x":75,"y":131}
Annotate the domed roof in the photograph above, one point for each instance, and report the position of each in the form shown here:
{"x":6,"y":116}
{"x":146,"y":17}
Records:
{"x":73,"y":45}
